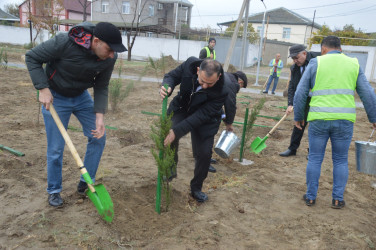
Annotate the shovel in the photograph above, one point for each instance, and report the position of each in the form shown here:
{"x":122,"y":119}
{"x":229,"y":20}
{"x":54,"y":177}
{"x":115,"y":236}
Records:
{"x":258,"y":144}
{"x":97,"y":193}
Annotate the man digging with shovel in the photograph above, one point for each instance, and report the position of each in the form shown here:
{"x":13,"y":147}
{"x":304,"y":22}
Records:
{"x":75,"y":61}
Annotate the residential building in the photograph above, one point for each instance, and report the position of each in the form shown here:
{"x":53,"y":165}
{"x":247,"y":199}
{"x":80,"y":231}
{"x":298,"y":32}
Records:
{"x":158,"y":18}
{"x":282,"y":25}
{"x":6,"y":18}
{"x":61,"y":10}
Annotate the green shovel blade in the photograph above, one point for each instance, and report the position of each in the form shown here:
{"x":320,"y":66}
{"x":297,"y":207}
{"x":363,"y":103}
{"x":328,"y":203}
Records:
{"x":102,"y":202}
{"x":258,"y":144}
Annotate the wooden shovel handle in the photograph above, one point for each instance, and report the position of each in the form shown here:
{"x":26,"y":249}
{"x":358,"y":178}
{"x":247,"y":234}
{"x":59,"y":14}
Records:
{"x":275,"y":126}
{"x":69,"y":142}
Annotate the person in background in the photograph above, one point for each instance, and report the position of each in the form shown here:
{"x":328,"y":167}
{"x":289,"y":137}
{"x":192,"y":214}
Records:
{"x":208,"y":51}
{"x":333,"y":78}
{"x":276,"y":65}
{"x":301,"y":59}
{"x":75,"y":61}
{"x":196,"y":109}
{"x":233,"y":82}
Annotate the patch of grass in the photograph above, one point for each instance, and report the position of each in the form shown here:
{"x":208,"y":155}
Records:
{"x":220,"y":180}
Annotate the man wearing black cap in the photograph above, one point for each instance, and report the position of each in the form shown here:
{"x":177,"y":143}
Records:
{"x":75,"y":61}
{"x":208,"y":51}
{"x":233,"y":83}
{"x":301,"y":58}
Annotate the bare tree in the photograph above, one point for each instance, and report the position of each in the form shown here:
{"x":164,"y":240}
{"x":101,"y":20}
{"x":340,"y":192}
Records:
{"x":12,"y":8}
{"x":84,"y":4}
{"x":44,"y":17}
{"x":135,"y":25}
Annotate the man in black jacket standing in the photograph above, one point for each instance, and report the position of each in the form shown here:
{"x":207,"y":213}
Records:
{"x":196,"y":109}
{"x":301,"y":59}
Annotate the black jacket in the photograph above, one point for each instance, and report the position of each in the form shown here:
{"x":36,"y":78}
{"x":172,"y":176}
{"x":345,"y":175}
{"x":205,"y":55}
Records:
{"x":231,"y":83}
{"x":296,"y":75}
{"x":203,"y":108}
{"x":71,"y":66}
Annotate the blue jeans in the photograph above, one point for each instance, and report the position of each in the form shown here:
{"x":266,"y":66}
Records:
{"x":82,"y":107}
{"x":271,"y":77}
{"x":340,"y":133}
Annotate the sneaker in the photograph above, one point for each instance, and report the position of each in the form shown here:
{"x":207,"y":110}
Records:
{"x":265,"y":92}
{"x":81,"y":187}
{"x":308,"y":202}
{"x":336,"y":204}
{"x":273,"y":93}
{"x":55,"y":200}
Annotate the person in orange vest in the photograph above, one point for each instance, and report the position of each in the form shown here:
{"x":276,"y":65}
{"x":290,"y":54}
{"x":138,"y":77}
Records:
{"x":208,"y":51}
{"x":275,"y":71}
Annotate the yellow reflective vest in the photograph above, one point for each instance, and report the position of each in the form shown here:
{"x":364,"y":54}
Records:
{"x":278,"y":69}
{"x":333,"y":93}
{"x":208,"y":52}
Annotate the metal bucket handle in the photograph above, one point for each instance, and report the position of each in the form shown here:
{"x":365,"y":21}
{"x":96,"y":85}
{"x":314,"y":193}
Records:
{"x":369,"y":139}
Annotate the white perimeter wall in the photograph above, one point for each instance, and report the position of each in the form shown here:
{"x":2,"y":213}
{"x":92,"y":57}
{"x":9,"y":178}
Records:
{"x":154,"y":47}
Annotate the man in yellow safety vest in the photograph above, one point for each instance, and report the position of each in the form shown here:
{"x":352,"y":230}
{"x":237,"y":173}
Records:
{"x":276,"y":65}
{"x":333,"y":79}
{"x":208,"y":51}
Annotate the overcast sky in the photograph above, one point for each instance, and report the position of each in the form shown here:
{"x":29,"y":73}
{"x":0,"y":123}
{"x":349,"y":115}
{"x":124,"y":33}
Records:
{"x":334,"y":13}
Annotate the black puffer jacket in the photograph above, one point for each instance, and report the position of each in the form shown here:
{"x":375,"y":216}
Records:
{"x":203,"y":108}
{"x":71,"y":66}
{"x":296,"y":75}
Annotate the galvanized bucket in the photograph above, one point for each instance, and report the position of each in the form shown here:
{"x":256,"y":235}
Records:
{"x":227,"y":142}
{"x":366,"y":157}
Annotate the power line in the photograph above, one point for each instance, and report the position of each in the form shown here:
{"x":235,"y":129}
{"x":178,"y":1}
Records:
{"x":321,"y":6}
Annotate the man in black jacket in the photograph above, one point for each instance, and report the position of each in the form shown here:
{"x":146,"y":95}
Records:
{"x":301,"y":59}
{"x":233,"y":83}
{"x":196,"y":109}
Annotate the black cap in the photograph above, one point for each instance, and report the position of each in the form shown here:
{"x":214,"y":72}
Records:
{"x":108,"y":33}
{"x":242,"y":76}
{"x":212,"y":39}
{"x":296,"y":49}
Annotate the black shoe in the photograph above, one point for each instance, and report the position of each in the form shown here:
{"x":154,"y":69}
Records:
{"x":336,"y":204}
{"x":287,"y":153}
{"x":199,"y":196}
{"x":273,"y":93}
{"x":213,"y":161}
{"x":212,"y":169}
{"x":265,"y":92}
{"x":55,"y":200}
{"x":81,"y":187}
{"x":308,"y":202}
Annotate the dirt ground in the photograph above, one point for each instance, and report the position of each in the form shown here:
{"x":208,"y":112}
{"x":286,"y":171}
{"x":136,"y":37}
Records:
{"x":256,"y":206}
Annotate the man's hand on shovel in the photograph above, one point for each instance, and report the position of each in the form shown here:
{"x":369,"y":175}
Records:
{"x":45,"y":97}
{"x":289,"y":110}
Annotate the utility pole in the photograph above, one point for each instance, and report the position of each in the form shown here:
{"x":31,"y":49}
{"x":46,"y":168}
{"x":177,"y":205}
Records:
{"x":260,"y":48}
{"x":266,"y":37}
{"x":310,"y":36}
{"x":245,"y":32}
{"x":234,"y":36}
{"x":181,"y":6}
{"x":30,"y":24}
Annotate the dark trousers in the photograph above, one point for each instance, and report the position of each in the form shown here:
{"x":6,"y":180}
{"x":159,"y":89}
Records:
{"x":297,"y":134}
{"x":202,"y":152}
